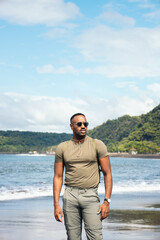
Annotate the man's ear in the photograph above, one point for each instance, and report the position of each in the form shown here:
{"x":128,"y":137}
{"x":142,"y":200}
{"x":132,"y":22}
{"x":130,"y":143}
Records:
{"x":71,"y":125}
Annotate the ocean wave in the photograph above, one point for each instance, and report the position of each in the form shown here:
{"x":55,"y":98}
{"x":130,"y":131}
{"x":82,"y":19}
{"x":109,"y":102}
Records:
{"x":132,"y":187}
{"x":31,"y":154}
{"x":34,"y":191}
{"x":24,"y":193}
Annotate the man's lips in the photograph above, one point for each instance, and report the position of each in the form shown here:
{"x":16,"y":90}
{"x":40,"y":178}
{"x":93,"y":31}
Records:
{"x":83,"y":131}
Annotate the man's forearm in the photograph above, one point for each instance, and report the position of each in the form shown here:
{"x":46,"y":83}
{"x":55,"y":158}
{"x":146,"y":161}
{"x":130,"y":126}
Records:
{"x":104,"y":208}
{"x":57,"y":185}
{"x":106,"y":169}
{"x":108,"y":185}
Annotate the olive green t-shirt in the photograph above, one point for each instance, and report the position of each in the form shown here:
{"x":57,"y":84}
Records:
{"x":80,"y":161}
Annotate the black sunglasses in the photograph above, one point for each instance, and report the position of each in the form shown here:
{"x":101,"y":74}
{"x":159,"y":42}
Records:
{"x":79,"y":124}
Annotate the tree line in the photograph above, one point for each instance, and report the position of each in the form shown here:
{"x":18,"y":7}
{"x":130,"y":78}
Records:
{"x":126,"y":132}
{"x":120,"y":135}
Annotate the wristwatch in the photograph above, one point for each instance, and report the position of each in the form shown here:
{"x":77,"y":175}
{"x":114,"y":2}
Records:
{"x":107,"y":200}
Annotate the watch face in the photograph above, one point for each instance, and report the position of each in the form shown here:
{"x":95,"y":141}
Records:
{"x":107,"y":199}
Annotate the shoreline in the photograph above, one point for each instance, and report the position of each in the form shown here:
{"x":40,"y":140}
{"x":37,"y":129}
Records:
{"x":116,"y":155}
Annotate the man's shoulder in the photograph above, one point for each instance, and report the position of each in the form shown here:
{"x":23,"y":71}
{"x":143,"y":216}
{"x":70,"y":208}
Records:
{"x":62,"y":144}
{"x":95,"y":140}
{"x":61,"y":148}
{"x":90,"y":139}
{"x":98,"y":141}
{"x":99,"y":145}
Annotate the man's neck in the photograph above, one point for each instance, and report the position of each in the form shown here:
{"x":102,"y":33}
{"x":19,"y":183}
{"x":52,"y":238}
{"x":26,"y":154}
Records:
{"x":79,"y":140}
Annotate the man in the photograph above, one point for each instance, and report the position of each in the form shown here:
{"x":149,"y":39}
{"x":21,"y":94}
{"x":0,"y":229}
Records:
{"x":81,"y":158}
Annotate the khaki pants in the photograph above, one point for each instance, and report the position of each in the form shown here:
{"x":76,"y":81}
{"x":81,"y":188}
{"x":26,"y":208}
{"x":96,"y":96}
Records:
{"x":78,"y":205}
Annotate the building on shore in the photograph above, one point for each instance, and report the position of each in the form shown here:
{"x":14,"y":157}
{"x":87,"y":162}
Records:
{"x":133,"y":151}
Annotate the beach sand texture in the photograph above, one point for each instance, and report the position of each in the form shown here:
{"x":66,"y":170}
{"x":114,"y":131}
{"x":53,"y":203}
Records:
{"x":33,"y":219}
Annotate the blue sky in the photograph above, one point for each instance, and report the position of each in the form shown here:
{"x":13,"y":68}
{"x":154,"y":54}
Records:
{"x":57,"y":57}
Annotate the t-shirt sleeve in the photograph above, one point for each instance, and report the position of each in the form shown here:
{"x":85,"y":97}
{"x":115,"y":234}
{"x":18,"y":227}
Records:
{"x":101,"y":149}
{"x":59,"y":153}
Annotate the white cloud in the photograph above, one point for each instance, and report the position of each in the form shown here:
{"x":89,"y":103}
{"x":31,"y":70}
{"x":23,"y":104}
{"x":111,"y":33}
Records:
{"x":117,"y":19}
{"x":60,"y":32}
{"x":49,"y":114}
{"x":154,"y":15}
{"x":28,"y":12}
{"x":35,"y":113}
{"x":155,"y":88}
{"x":49,"y":68}
{"x":127,"y":53}
{"x":56,"y":33}
{"x":124,"y":84}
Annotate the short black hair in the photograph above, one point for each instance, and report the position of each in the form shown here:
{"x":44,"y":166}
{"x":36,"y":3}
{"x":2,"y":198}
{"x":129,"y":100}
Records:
{"x":76,"y":114}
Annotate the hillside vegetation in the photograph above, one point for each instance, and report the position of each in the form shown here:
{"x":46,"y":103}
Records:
{"x":126,"y":132}
{"x":120,"y":135}
{"x":23,"y":142}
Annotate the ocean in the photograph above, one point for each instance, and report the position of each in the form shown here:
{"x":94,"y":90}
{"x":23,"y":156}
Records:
{"x":26,"y":204}
{"x":30,"y":176}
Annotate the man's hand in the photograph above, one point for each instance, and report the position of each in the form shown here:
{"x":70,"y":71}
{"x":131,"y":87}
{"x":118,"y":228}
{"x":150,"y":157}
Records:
{"x":58,"y":213}
{"x":104,"y":210}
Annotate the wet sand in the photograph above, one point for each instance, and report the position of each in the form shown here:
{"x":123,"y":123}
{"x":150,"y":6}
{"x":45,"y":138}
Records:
{"x":128,"y":155}
{"x":131,"y":217}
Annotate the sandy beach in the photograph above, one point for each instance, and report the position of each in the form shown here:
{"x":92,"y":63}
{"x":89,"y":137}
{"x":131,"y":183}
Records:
{"x":131,"y":217}
{"x":26,"y":206}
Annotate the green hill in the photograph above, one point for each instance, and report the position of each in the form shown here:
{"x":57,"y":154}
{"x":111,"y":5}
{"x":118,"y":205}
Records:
{"x":126,"y":132}
{"x":23,"y":142}
{"x":120,"y":135}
